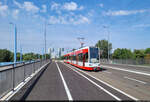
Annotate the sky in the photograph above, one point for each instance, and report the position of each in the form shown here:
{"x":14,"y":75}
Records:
{"x":126,"y":21}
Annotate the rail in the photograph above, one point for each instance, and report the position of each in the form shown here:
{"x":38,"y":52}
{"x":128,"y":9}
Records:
{"x":12,"y":76}
{"x":144,"y":62}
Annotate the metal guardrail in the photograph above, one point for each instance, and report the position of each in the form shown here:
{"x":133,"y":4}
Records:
{"x":13,"y":76}
{"x":126,"y":61}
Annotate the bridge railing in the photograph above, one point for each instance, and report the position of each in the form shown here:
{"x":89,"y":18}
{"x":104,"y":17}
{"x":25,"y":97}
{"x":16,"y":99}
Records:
{"x":144,"y":62}
{"x":11,"y":76}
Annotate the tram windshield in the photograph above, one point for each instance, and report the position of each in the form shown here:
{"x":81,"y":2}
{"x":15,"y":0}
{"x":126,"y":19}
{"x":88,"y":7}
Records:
{"x":94,"y":56}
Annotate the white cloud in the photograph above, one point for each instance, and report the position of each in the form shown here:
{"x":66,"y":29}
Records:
{"x":72,"y":6}
{"x":54,"y":20}
{"x":69,"y":6}
{"x":3,"y":10}
{"x":81,"y":19}
{"x":68,"y":19}
{"x":81,"y":8}
{"x":17,"y":3}
{"x":44,"y":8}
{"x":101,"y":5}
{"x":124,"y":12}
{"x":30,"y":7}
{"x":15,"y":13}
{"x":55,"y":6}
{"x":91,"y":13}
{"x":27,"y":6}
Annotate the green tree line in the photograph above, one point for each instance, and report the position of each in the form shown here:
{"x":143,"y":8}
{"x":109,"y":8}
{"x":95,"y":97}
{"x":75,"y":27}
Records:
{"x":8,"y":56}
{"x":121,"y":53}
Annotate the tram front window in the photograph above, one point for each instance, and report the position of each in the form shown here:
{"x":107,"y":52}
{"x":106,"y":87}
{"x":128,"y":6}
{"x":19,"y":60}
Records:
{"x":94,"y":56}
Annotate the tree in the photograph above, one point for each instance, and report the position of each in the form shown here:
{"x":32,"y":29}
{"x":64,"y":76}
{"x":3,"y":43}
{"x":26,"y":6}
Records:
{"x":103,"y":45}
{"x":5,"y":55}
{"x":122,"y":54}
{"x":47,"y":56}
{"x":147,"y":56}
{"x":117,"y":54}
{"x":18,"y":56}
{"x":138,"y":54}
{"x":29,"y":56}
{"x":147,"y":51}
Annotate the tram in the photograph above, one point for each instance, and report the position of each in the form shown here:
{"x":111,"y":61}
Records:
{"x":86,"y":58}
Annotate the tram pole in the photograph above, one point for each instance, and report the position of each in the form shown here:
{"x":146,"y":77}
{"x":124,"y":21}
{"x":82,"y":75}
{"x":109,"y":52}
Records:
{"x":108,"y":41}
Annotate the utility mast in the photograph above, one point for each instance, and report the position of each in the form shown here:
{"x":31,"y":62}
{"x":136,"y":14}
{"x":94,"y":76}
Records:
{"x":81,"y":41}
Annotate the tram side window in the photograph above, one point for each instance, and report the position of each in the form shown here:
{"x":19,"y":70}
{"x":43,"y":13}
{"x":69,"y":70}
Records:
{"x":67,"y":57}
{"x":80,"y":57}
{"x":70,"y":57}
{"x":86,"y":57}
{"x":74,"y":57}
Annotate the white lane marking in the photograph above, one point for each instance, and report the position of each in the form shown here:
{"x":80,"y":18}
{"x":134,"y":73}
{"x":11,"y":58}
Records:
{"x":135,"y":80}
{"x":137,"y":72}
{"x":133,"y":65}
{"x":118,"y":99}
{"x":110,"y":86}
{"x":65,"y":85}
{"x":12,"y":93}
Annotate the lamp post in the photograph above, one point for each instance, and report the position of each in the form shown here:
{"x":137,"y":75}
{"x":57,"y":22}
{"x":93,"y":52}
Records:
{"x":108,"y":39}
{"x":15,"y":43}
{"x":20,"y":54}
{"x":15,"y":52}
{"x":45,"y":36}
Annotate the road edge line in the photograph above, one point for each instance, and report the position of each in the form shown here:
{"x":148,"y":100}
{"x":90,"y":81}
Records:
{"x":65,"y":85}
{"x":131,"y":71}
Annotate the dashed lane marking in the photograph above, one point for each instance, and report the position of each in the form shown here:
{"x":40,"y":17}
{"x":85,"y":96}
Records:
{"x":135,"y":80}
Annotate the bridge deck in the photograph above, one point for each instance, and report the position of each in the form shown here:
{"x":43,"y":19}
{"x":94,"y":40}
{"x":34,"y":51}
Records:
{"x":48,"y":85}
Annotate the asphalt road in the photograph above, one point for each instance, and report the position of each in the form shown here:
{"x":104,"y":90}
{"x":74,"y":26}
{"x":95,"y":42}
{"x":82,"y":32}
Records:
{"x":61,"y":81}
{"x":145,"y":69}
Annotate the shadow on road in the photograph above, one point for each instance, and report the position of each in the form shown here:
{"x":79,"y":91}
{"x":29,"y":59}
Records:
{"x":101,"y":69}
{"x":33,"y":84}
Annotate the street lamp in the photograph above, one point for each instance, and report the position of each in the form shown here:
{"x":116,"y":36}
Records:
{"x":15,"y":43}
{"x":108,"y":39}
{"x":45,"y":36}
{"x":20,"y":54}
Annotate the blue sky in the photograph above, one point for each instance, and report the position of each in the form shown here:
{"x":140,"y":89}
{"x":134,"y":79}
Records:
{"x":128,"y":22}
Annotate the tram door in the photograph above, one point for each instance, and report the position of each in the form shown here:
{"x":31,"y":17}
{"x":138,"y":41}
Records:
{"x":83,"y":59}
{"x":77,"y":58}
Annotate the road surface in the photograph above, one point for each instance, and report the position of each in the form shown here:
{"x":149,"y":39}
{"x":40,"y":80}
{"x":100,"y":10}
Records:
{"x":60,"y":81}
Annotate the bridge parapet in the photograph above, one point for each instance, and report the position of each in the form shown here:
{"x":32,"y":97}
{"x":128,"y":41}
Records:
{"x":11,"y":76}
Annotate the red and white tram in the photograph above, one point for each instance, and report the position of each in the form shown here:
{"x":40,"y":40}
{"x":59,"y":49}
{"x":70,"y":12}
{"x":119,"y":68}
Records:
{"x":86,"y":58}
